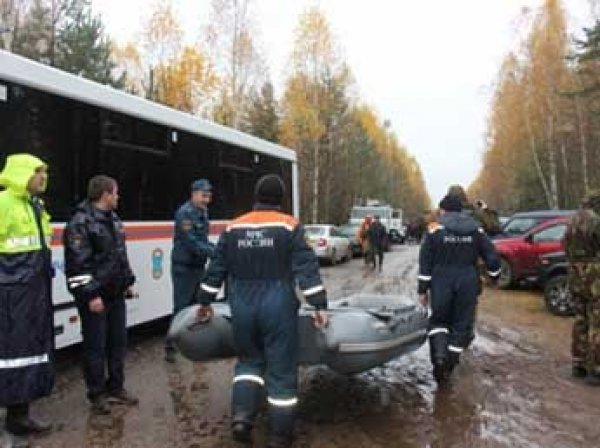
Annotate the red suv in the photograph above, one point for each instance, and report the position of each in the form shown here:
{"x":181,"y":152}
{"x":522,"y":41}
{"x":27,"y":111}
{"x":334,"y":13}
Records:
{"x":520,"y":256}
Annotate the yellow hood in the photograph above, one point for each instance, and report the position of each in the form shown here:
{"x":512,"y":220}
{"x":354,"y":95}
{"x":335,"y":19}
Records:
{"x":18,"y":170}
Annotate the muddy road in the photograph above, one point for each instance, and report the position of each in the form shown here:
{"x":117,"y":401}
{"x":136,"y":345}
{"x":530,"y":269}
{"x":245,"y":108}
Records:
{"x":512,"y":389}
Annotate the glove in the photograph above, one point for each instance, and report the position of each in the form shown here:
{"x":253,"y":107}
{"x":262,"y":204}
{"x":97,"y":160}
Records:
{"x":203,"y":297}
{"x":205,"y":313}
{"x":318,"y":300}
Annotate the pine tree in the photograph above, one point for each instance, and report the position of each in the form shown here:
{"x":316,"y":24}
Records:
{"x":261,"y":118}
{"x":84,"y":49}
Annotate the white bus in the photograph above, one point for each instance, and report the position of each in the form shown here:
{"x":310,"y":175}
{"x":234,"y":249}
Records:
{"x":81,"y":128}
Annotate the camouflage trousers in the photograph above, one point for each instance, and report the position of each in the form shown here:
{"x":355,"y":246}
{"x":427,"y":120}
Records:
{"x":584,"y":283}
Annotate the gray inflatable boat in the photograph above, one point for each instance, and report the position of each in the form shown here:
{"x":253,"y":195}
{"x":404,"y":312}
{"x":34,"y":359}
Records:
{"x":364,"y":331}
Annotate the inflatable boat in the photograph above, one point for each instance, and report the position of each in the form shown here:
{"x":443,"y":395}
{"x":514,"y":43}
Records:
{"x":364,"y":331}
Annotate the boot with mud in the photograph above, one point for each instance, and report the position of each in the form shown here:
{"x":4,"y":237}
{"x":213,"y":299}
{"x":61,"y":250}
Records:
{"x":453,"y":361}
{"x":438,"y":347}
{"x":122,"y":396}
{"x":276,"y":441}
{"x":578,"y":371}
{"x":20,"y":423}
{"x":441,"y":372}
{"x":241,"y":432}
{"x":99,"y":406}
{"x":171,"y":355}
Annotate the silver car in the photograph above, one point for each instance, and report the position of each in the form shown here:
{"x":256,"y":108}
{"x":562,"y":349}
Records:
{"x":328,"y":243}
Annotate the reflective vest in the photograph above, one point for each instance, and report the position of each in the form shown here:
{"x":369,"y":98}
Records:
{"x":19,"y":230}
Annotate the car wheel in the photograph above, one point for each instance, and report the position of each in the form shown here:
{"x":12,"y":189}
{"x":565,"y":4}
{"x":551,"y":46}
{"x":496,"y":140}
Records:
{"x":557,"y":296}
{"x":506,"y":279}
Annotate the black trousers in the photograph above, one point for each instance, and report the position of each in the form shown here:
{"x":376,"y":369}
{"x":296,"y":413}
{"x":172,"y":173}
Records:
{"x":379,"y":254}
{"x":104,"y":346}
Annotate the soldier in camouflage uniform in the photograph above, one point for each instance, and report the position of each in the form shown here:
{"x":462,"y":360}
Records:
{"x":582,"y":246}
{"x":487,"y":218}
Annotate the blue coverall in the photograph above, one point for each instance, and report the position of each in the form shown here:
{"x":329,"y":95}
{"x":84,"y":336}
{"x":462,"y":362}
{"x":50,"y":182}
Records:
{"x":262,"y":255}
{"x":191,"y":250}
{"x":448,"y":267}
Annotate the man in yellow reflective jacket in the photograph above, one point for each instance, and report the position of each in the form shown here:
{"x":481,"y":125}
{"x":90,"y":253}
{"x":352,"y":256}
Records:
{"x":26,"y":319}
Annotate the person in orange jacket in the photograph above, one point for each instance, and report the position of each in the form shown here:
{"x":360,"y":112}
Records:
{"x":363,"y":238}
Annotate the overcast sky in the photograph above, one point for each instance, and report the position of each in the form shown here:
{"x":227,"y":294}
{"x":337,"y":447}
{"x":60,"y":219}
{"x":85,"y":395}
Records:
{"x":428,"y":66}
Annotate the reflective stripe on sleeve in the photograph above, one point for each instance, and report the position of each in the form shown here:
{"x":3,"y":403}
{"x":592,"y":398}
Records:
{"x":247,"y":225}
{"x":313,"y":291}
{"x":22,"y":242}
{"x":283,"y":403}
{"x":23,"y":362}
{"x":455,"y":349}
{"x":496,"y":273}
{"x":252,"y":378}
{"x":79,"y":280}
{"x":210,"y":289}
{"x":437,"y":330}
{"x":425,"y":278}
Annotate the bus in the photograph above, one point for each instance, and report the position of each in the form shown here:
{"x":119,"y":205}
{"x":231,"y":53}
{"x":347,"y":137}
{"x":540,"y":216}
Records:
{"x":81,"y":128}
{"x":390,"y":218}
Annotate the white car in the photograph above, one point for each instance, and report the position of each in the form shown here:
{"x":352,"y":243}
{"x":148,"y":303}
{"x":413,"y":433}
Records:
{"x":328,"y":243}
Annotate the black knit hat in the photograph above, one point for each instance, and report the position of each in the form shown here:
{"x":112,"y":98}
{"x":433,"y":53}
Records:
{"x":269,"y":190}
{"x":451,"y":203}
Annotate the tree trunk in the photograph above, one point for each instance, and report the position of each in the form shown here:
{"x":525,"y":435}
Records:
{"x":582,"y":146}
{"x":315,"y":207}
{"x":552,"y":166}
{"x":536,"y":159}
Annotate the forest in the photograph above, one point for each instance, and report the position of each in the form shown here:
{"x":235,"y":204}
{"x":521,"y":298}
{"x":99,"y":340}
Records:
{"x":542,"y":147}
{"x":346,"y":151}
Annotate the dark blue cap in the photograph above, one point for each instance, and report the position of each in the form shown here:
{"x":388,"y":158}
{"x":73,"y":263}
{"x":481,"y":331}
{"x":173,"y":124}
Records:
{"x":201,"y":185}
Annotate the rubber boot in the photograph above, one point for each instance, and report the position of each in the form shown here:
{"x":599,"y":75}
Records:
{"x":579,"y":371}
{"x":18,"y":421}
{"x":453,"y":361}
{"x":282,"y":421}
{"x":246,"y":400}
{"x":438,"y":346}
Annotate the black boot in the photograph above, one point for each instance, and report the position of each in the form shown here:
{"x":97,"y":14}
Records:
{"x":578,"y":371}
{"x":279,"y":442}
{"x":19,"y":422}
{"x":241,"y":432}
{"x":453,"y":361}
{"x":247,"y":396}
{"x":438,"y":346}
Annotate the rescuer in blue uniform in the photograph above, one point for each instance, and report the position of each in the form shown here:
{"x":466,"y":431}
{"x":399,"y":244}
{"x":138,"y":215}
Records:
{"x":263,"y":254}
{"x":191,"y":250}
{"x":448,"y":273}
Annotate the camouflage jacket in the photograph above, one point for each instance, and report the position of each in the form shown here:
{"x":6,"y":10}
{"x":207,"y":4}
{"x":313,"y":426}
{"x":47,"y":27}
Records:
{"x":582,"y":237}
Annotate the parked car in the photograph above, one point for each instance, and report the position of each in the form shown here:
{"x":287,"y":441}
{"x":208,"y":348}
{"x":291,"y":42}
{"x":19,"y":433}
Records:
{"x":350,"y":231}
{"x":520,"y":255}
{"x":397,"y":236}
{"x":553,"y":278}
{"x":521,"y":223}
{"x":328,"y":243}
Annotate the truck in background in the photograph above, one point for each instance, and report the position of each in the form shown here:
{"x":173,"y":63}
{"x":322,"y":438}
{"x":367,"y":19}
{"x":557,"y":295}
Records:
{"x":391,"y":218}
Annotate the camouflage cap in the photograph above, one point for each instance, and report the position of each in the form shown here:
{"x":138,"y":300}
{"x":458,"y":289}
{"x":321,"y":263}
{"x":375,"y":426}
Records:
{"x":592,"y":200}
{"x":459,"y":192}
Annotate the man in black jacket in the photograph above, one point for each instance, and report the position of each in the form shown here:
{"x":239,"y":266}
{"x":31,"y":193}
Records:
{"x":448,"y":271}
{"x":99,"y":277}
{"x":377,"y":235}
